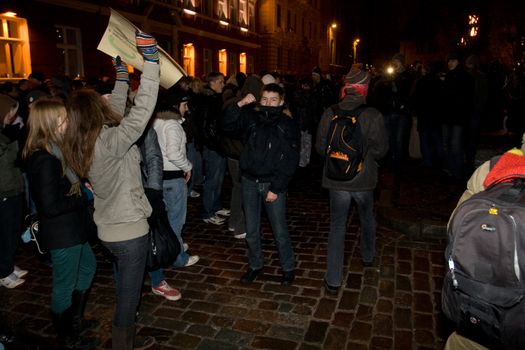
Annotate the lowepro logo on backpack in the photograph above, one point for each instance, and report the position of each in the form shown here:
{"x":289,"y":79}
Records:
{"x":344,"y":152}
{"x":484,"y":289}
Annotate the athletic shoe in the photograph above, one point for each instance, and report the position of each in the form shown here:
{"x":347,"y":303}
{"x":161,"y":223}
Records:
{"x":19,"y":272}
{"x":11,"y":281}
{"x":185,"y":246}
{"x":215,"y":220}
{"x":231,"y":229}
{"x":192,"y":260}
{"x":240,"y":235}
{"x":165,"y":290}
{"x":223,"y":212}
{"x":194,"y":194}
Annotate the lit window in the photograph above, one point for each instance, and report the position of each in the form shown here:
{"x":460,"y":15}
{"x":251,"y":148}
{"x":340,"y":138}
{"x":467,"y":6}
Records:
{"x":70,"y":49}
{"x":242,"y":62}
{"x":251,"y":17}
{"x":223,"y":62}
{"x":189,"y":59}
{"x":222,"y":9}
{"x":243,"y":12}
{"x":15,"y":57}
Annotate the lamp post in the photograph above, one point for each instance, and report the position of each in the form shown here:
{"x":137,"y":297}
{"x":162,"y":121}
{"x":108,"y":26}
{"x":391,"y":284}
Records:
{"x":356,"y":42}
{"x":332,"y":42}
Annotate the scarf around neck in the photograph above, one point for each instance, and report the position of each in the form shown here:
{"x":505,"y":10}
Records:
{"x":67,"y":171}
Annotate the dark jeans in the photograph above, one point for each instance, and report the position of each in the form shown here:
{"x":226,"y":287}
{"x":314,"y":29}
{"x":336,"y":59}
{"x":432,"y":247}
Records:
{"x":195,"y":157}
{"x":130,"y":260}
{"x":431,"y":144}
{"x":253,"y":196}
{"x":398,"y":128}
{"x":73,"y":269}
{"x":214,"y":169}
{"x":236,"y":220}
{"x":453,"y":144}
{"x":339,"y":206}
{"x":11,"y":220}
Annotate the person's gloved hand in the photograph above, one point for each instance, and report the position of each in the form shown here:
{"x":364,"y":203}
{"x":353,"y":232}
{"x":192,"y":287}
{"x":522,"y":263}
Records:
{"x":121,"y":69}
{"x":147,"y":45}
{"x":156,"y":201}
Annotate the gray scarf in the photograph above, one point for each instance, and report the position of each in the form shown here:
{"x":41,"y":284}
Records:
{"x":66,"y":170}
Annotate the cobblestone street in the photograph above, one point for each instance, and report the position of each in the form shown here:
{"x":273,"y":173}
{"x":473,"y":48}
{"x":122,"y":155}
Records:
{"x":393,"y":305}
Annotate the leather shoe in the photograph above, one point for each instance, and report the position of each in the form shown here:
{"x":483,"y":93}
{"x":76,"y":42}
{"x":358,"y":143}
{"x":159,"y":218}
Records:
{"x":288,"y":278}
{"x":330,"y":289}
{"x":250,"y":276}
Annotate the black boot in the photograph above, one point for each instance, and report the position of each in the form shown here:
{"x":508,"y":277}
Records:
{"x":79,"y":300}
{"x":67,"y":337}
{"x":124,"y":338}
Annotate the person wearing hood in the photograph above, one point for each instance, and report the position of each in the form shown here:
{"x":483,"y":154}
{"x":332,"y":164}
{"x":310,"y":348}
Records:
{"x":361,"y":187}
{"x":177,"y":167}
{"x":267,"y":162}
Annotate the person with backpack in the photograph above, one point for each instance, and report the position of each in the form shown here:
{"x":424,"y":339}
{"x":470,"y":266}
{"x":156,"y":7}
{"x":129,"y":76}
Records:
{"x":484,"y":286}
{"x":268,"y":161}
{"x":350,"y":173}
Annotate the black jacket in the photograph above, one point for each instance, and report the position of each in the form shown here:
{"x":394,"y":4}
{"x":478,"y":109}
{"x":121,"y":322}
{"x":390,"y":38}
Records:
{"x":259,"y":161}
{"x":64,"y":221}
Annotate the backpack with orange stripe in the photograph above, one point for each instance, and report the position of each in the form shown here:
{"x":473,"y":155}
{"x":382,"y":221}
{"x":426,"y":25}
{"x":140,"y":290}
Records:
{"x":344,"y":152}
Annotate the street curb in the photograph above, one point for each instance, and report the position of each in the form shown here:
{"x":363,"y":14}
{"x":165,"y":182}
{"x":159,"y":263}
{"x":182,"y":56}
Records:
{"x":416,"y":228}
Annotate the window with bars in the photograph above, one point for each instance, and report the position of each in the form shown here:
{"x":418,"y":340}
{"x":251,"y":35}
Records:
{"x":243,"y":13}
{"x":69,"y":45}
{"x":15,"y":57}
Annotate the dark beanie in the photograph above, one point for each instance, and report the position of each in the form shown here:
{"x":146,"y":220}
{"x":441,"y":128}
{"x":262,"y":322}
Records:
{"x":357,"y":76}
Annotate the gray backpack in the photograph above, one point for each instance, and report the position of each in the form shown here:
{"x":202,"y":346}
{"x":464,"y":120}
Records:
{"x":484,"y":288}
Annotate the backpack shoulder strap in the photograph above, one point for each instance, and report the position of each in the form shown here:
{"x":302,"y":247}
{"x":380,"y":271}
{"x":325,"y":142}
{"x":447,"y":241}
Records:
{"x":346,"y":113}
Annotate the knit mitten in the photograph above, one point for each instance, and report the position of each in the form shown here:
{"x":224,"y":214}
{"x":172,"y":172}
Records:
{"x":147,"y":45}
{"x":121,"y":69}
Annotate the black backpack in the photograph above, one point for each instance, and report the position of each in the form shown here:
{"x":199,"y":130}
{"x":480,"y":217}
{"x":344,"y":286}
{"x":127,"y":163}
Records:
{"x":345,"y":149}
{"x":484,"y":288}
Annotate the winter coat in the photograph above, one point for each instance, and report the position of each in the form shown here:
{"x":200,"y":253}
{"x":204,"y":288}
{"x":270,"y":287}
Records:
{"x":151,"y":164}
{"x":121,"y":207}
{"x":458,"y":97}
{"x":11,"y":181}
{"x":375,"y":145}
{"x":63,"y":220}
{"x":172,"y":141}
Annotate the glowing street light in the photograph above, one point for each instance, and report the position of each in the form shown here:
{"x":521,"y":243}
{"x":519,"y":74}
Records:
{"x":356,"y":42}
{"x":334,"y":25}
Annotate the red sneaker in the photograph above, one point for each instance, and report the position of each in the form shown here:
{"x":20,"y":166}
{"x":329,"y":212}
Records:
{"x":166,"y":291}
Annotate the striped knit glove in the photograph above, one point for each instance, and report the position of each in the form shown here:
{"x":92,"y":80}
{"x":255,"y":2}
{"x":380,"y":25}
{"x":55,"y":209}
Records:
{"x":147,"y":45}
{"x":121,"y":69}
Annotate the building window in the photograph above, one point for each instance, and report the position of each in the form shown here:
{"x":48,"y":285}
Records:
{"x":206,"y":61}
{"x":189,"y":59}
{"x":222,"y":9}
{"x":251,"y":17}
{"x":69,"y":45}
{"x":15,"y":59}
{"x":243,"y":13}
{"x":278,"y":16}
{"x":233,"y":12}
{"x":223,"y":62}
{"x":207,"y":7}
{"x":242,"y":62}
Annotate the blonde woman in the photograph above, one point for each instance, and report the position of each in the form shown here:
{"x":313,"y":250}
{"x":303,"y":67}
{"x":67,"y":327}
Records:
{"x":64,"y":220}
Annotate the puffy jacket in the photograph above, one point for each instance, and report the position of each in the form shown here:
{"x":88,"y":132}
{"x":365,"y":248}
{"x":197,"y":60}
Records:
{"x":121,"y":207}
{"x":172,"y":141}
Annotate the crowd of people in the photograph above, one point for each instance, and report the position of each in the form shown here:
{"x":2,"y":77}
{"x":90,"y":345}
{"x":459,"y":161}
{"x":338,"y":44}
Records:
{"x":135,"y":151}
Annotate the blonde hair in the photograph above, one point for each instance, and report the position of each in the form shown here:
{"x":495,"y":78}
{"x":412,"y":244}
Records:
{"x":43,"y":125}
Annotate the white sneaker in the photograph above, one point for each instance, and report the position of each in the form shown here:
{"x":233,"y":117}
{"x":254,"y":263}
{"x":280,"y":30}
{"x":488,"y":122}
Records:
{"x":223,"y":212}
{"x":231,"y":229}
{"x":194,"y":194}
{"x":240,"y":235}
{"x":214,"y":220}
{"x":19,"y":272}
{"x":11,"y":281}
{"x":192,"y":260}
{"x":185,"y":246}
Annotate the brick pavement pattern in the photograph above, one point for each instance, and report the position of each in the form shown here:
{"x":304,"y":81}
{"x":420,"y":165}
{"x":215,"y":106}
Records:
{"x":395,"y":304}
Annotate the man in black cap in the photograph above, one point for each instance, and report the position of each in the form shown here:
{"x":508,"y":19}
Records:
{"x":361,"y":187}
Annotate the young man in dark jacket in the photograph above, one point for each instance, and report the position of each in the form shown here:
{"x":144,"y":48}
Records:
{"x":267,"y":162}
{"x":361,"y":187}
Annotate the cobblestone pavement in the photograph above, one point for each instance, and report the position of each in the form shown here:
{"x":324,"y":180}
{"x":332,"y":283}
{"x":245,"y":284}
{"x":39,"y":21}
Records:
{"x":393,"y":305}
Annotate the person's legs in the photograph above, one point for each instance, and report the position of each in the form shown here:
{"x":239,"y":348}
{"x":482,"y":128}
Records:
{"x":66,"y":263}
{"x":214,"y":169}
{"x":11,"y":218}
{"x":87,"y":267}
{"x":156,"y":277}
{"x":251,"y":197}
{"x":456,"y":151}
{"x":175,"y":194}
{"x":236,"y":220}
{"x":277,"y":216}
{"x":130,"y":259}
{"x":194,"y":156}
{"x":339,"y":206}
{"x":365,"y":206}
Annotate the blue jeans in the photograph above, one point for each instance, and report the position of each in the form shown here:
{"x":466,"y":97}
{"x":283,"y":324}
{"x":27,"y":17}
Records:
{"x":195,"y":157}
{"x":398,"y":128}
{"x":175,"y":193}
{"x":453,"y":144}
{"x":339,"y":206}
{"x":73,"y":269}
{"x":214,"y":169}
{"x":130,"y":262}
{"x":253,"y":196}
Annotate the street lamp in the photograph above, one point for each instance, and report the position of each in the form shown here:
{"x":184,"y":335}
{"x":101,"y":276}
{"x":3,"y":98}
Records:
{"x":356,"y":42}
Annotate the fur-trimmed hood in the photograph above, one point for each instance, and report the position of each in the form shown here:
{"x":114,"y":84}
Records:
{"x":169,"y":115}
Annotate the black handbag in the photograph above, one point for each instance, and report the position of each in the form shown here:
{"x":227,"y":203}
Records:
{"x":163,"y":245}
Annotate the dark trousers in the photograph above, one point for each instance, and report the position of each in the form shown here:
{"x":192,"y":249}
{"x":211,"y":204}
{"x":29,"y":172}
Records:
{"x":11,"y":209}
